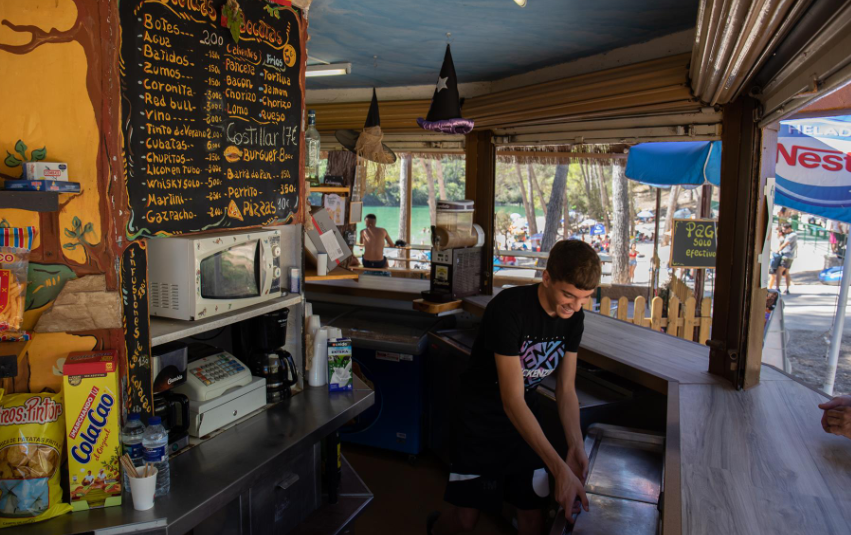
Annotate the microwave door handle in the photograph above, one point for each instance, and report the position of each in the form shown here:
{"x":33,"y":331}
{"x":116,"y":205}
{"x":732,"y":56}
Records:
{"x":265,"y":277}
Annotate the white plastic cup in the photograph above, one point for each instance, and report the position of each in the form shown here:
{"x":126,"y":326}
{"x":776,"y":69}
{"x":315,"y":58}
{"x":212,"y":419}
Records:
{"x":322,"y":264}
{"x":142,"y":489}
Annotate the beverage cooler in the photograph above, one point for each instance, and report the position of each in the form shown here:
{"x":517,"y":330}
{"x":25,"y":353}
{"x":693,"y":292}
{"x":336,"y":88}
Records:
{"x":389,"y":353}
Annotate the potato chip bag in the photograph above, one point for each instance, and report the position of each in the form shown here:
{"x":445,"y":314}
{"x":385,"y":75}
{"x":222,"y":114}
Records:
{"x":32,"y":439}
{"x":15,"y":247}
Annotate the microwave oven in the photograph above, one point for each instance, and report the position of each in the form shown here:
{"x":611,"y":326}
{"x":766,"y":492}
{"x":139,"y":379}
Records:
{"x":198,"y":277}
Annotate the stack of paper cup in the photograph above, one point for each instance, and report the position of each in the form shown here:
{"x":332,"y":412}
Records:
{"x":319,"y":364}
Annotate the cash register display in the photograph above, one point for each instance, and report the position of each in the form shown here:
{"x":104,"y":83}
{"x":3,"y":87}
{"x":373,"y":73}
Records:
{"x":232,"y":273}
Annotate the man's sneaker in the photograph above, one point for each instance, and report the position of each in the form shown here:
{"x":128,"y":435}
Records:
{"x":431,"y":520}
{"x":787,"y":291}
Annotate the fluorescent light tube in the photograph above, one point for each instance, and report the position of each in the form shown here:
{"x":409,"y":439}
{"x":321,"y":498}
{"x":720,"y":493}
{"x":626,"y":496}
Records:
{"x":332,"y":69}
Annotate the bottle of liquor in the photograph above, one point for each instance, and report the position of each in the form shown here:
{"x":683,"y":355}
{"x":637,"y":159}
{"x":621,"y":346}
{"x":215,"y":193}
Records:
{"x":311,"y":137}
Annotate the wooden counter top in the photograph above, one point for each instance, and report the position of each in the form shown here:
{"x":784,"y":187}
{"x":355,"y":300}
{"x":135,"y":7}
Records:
{"x":736,"y":462}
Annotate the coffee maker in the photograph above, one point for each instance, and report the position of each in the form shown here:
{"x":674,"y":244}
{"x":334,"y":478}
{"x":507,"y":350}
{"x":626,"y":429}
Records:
{"x":263,"y":339}
{"x":169,"y":370}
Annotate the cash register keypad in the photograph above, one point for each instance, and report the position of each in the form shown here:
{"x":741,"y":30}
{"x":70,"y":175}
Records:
{"x":220,"y":368}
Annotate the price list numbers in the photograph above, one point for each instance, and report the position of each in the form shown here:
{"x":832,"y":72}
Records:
{"x":215,"y":128}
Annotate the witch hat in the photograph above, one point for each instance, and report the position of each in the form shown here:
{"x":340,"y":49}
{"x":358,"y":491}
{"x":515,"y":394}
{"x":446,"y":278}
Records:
{"x":444,"y":115}
{"x":367,"y":143}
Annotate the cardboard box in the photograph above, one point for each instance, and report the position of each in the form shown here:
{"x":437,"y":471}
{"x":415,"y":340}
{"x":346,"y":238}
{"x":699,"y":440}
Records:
{"x":92,"y":411}
{"x":326,"y":238}
{"x":42,"y":185}
{"x":340,"y":365}
{"x":45,"y":171}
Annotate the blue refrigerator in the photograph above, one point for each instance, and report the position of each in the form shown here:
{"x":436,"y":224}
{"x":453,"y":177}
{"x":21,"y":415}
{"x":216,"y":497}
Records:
{"x":389,"y":352}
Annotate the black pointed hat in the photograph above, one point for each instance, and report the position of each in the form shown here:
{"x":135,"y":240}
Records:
{"x":444,"y":115}
{"x":372,"y":130}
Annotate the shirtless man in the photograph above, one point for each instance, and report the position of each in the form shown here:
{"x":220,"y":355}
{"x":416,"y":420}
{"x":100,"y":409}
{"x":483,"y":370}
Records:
{"x":373,"y":239}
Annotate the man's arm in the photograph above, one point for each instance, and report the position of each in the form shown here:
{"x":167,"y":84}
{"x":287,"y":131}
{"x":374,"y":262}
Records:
{"x":568,"y":411}
{"x":511,"y":390}
{"x":388,"y":240}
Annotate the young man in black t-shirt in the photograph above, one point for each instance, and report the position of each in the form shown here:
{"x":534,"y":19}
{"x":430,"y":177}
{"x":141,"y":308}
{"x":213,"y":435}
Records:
{"x":501,"y":452}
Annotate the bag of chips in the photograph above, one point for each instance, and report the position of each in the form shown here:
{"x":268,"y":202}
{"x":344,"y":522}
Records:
{"x":32,"y":439}
{"x":15,"y":247}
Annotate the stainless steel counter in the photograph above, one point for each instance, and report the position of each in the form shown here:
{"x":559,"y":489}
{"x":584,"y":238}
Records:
{"x":214,"y":473}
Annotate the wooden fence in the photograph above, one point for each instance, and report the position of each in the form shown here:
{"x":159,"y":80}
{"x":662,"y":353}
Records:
{"x":683,"y":319}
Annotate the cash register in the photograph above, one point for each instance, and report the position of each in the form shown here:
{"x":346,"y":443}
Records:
{"x":220,"y":389}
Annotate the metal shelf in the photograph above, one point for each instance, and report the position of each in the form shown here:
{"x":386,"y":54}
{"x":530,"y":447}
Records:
{"x":164,"y":330}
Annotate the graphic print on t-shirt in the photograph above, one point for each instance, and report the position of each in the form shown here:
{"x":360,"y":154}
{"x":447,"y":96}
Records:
{"x":540,"y":359}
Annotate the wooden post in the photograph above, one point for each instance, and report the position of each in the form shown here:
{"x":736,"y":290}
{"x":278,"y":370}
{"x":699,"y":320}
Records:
{"x":705,"y":320}
{"x":481,"y":164}
{"x":405,"y":193}
{"x":688,"y":319}
{"x":623,"y":308}
{"x":606,"y":306}
{"x":673,"y":315}
{"x":656,"y":306}
{"x":639,"y":311}
{"x":741,"y":193}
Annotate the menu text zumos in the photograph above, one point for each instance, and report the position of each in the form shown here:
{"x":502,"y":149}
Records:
{"x":212,"y":128}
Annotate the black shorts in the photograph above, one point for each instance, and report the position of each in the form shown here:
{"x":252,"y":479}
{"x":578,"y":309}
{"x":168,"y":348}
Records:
{"x":491,"y":462}
{"x":375,"y":264}
{"x":525,"y":491}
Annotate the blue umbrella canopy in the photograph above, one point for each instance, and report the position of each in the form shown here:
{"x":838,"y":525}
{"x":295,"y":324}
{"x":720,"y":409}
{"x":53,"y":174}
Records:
{"x":675,"y":163}
{"x":813,"y":171}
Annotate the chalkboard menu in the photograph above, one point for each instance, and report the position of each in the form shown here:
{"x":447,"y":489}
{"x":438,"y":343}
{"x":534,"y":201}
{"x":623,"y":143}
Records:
{"x":212,"y":127}
{"x":138,"y":390}
{"x":693,"y":243}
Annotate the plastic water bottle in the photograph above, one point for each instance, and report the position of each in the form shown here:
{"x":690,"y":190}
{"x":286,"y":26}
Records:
{"x":155,"y":442}
{"x":131,"y":440}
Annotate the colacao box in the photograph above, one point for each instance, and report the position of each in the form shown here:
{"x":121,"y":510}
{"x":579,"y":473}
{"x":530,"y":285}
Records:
{"x":340,"y":364}
{"x":91,"y":397}
{"x":45,"y":171}
{"x":42,"y":185}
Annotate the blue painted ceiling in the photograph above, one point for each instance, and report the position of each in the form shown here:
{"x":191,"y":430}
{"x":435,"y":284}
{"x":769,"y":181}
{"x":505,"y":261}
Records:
{"x":491,"y":39}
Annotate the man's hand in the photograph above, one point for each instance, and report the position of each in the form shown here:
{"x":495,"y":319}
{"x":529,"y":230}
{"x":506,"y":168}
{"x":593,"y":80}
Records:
{"x":577,"y":461}
{"x":567,"y":491}
{"x":837,"y":416}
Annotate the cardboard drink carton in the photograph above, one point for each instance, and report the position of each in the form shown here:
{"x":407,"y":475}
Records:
{"x":45,"y":171}
{"x":90,"y":391}
{"x":340,"y":364}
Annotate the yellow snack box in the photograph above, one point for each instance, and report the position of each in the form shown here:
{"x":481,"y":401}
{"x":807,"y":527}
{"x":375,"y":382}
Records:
{"x":32,"y":437}
{"x":90,"y":389}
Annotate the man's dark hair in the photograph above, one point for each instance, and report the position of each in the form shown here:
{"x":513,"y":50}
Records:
{"x":787,"y":226}
{"x":370,"y":216}
{"x":575,"y":262}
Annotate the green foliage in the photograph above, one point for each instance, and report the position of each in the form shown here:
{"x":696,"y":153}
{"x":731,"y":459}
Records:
{"x":13,"y":160}
{"x":78,"y":234}
{"x":45,"y":283}
{"x":235,"y":20}
{"x":272,"y":10}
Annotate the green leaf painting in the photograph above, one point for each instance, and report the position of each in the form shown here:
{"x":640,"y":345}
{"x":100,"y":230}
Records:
{"x":45,"y":283}
{"x":11,"y":161}
{"x":21,"y":148}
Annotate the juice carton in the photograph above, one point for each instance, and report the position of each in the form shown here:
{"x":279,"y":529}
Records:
{"x":90,"y":389}
{"x":340,"y":364}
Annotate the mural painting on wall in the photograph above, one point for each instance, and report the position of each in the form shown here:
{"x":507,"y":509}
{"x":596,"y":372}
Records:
{"x":67,"y":40}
